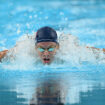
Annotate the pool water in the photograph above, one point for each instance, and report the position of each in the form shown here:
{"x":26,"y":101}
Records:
{"x":70,"y":84}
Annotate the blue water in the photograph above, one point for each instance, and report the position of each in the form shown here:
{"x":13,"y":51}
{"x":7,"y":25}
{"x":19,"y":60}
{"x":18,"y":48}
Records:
{"x":83,"y":85}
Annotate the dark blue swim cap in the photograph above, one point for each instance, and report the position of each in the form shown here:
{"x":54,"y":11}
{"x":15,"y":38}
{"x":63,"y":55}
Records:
{"x":46,"y":34}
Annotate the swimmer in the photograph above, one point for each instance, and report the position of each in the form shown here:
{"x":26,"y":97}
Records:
{"x":46,"y":45}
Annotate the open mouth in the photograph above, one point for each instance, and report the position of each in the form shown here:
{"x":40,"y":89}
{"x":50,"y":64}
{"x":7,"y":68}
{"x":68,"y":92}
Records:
{"x":46,"y":60}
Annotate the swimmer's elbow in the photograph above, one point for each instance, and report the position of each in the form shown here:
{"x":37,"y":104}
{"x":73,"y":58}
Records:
{"x":103,"y":50}
{"x":3,"y":54}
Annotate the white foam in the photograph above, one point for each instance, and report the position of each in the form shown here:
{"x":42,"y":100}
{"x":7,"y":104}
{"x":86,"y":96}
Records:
{"x":24,"y":56}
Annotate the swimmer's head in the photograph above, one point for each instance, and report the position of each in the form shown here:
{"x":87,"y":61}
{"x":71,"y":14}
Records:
{"x":46,"y":34}
{"x":46,"y":44}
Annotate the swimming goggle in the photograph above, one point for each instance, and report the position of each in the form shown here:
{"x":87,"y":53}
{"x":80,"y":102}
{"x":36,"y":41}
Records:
{"x":50,"y":49}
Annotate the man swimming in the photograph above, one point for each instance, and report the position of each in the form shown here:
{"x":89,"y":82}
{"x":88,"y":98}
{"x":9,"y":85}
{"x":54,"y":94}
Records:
{"x":46,"y":45}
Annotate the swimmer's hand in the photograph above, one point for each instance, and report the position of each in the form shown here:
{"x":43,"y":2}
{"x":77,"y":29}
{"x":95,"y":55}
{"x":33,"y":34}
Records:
{"x":2,"y":54}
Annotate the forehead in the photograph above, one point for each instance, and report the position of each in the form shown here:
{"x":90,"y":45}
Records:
{"x":46,"y":44}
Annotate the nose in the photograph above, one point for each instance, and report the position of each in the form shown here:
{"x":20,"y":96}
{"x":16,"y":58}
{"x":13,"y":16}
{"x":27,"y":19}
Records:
{"x":46,"y":54}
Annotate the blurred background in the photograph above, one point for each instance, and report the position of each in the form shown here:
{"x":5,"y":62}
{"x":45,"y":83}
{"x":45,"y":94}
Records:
{"x":82,"y":18}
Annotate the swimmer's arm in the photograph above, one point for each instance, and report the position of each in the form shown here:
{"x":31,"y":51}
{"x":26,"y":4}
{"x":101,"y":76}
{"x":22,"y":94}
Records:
{"x":96,"y":49}
{"x":103,"y":50}
{"x":3,"y":54}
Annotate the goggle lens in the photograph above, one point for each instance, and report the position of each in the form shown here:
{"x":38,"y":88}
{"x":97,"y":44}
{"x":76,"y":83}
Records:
{"x":41,"y":49}
{"x":49,"y":49}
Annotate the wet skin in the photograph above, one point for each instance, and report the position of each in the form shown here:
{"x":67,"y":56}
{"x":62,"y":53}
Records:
{"x":46,"y":55}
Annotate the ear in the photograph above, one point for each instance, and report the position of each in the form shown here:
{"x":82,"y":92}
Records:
{"x":57,"y":45}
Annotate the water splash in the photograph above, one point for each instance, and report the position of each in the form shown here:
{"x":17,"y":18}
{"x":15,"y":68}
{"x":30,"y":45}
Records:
{"x":70,"y":54}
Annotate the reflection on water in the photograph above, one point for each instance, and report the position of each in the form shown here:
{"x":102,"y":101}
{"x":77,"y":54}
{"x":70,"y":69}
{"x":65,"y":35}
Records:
{"x":48,"y":92}
{"x":44,"y":88}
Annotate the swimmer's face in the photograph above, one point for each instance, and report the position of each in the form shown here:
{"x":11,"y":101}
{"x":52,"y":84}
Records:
{"x":46,"y":51}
